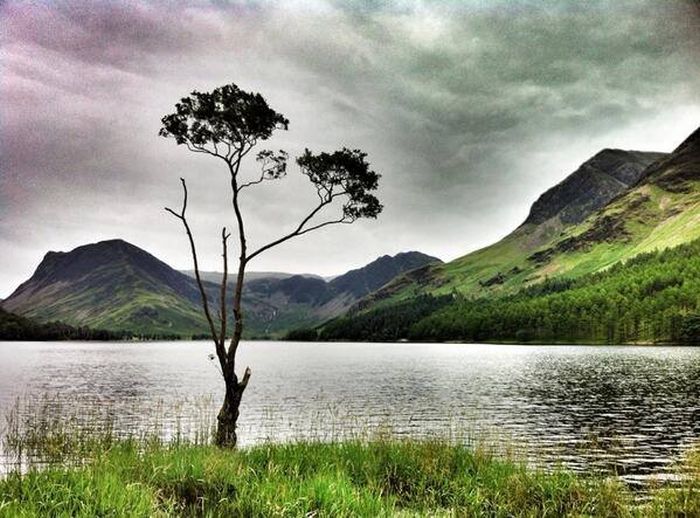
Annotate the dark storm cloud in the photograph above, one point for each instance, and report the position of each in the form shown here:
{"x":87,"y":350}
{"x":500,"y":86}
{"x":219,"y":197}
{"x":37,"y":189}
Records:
{"x":468,"y":109}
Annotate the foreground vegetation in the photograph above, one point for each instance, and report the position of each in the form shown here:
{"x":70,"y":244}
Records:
{"x":79,"y":464}
{"x":650,"y":298}
{"x":376,"y":478}
{"x":63,"y":464}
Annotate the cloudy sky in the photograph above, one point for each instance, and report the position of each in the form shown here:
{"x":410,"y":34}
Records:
{"x":469,"y":110}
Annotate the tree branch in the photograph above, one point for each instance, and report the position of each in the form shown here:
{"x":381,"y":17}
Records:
{"x":246,"y":377}
{"x":267,"y":168}
{"x":224,"y":281}
{"x":300,"y":228}
{"x":201,"y":149}
{"x":205,"y":302}
{"x":344,"y":220}
{"x":253,"y":182}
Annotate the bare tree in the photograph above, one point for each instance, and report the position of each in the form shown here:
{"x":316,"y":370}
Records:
{"x":226,"y":124}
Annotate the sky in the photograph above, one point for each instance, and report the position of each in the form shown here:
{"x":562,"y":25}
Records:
{"x":469,"y":111}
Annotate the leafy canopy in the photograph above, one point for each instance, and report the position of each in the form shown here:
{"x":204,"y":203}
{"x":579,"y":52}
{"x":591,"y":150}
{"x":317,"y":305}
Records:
{"x":226,"y":115}
{"x":343,"y":173}
{"x":227,"y":122}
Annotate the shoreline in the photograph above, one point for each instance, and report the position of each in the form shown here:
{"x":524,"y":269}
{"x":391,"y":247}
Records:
{"x":399,"y":342}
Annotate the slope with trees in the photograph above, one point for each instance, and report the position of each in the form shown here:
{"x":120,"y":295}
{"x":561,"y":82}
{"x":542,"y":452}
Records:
{"x":16,"y":327}
{"x":653,"y":297}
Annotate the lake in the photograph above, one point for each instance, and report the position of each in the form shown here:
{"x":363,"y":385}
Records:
{"x":626,"y":410}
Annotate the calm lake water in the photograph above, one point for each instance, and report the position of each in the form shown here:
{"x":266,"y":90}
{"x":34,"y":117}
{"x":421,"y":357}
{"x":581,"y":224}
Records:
{"x":629,"y":410}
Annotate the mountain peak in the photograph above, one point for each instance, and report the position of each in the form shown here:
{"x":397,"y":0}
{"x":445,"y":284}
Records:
{"x":597,"y":181}
{"x":362,"y":281}
{"x":86,"y":258}
{"x":677,"y":171}
{"x":109,"y":260}
{"x":693,"y":141}
{"x":110,"y":284}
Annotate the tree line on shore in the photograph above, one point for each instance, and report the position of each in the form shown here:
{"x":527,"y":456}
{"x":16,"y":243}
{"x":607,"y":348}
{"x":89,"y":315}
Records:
{"x":15,"y":327}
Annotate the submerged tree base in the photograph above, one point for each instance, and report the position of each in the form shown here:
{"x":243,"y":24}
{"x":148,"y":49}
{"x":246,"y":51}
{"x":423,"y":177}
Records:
{"x":376,"y":478}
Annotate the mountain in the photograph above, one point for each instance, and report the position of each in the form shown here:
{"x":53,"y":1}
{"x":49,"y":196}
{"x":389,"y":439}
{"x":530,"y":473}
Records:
{"x":376,"y":274}
{"x":651,"y":298}
{"x":616,"y":206}
{"x":110,"y":285}
{"x":114,"y":285}
{"x":678,"y":172}
{"x":276,"y":305}
{"x":215,"y":277}
{"x":596,"y":182}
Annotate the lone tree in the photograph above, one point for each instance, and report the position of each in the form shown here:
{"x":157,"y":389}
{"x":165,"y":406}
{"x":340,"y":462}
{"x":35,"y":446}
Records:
{"x":226,"y":124}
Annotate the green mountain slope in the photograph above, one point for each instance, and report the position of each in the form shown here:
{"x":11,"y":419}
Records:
{"x":110,"y":285}
{"x":654,"y":297}
{"x":625,"y":271}
{"x":277,"y":304}
{"x":117,"y":286}
{"x":15,"y":327}
{"x":615,"y":206}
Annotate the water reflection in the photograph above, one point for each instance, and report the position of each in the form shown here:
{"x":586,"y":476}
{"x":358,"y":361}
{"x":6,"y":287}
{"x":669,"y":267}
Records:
{"x":629,"y":410}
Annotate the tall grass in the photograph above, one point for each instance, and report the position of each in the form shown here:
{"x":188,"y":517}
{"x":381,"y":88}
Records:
{"x":71,"y":469}
{"x":45,"y":431}
{"x":376,"y":478}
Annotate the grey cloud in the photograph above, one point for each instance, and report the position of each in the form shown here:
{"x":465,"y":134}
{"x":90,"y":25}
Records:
{"x":118,"y":34}
{"x":468,"y":109}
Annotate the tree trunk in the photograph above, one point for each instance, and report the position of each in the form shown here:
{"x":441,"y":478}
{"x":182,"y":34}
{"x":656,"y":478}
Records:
{"x":228,"y":415}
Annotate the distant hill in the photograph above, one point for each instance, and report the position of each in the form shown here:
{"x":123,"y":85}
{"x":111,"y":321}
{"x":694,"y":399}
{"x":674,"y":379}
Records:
{"x":110,"y":285}
{"x":215,"y":277}
{"x":117,"y":286}
{"x":276,"y":305}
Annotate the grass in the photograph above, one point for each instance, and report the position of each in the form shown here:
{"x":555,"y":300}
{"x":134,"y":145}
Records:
{"x":73,"y":470}
{"x":376,"y":478}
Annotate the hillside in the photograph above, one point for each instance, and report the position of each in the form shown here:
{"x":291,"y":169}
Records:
{"x":215,"y":277}
{"x":117,"y":286}
{"x":616,"y":205}
{"x":650,"y":298}
{"x":275,"y":305}
{"x":507,"y":291}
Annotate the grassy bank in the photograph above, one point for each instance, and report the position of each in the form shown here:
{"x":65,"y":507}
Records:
{"x":375,"y":478}
{"x":79,"y":465}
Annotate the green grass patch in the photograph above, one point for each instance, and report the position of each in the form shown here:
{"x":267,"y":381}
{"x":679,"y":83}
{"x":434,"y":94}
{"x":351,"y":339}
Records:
{"x":377,"y":478}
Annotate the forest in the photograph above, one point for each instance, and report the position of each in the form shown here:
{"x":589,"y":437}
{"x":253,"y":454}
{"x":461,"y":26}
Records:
{"x":16,"y":327}
{"x":651,"y":298}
